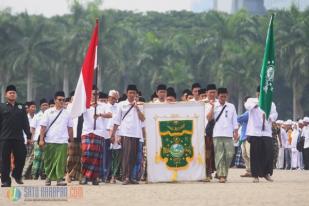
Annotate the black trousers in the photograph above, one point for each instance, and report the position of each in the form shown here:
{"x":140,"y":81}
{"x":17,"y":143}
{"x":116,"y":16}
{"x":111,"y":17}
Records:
{"x":18,"y":148}
{"x":261,"y":156}
{"x":306,"y":158}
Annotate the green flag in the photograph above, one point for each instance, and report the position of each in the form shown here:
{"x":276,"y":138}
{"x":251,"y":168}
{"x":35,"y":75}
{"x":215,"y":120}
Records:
{"x":268,"y":71}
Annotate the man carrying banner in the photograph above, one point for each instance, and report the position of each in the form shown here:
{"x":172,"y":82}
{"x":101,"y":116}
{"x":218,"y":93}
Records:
{"x":129,"y":119}
{"x":225,"y":129}
{"x":210,"y":156}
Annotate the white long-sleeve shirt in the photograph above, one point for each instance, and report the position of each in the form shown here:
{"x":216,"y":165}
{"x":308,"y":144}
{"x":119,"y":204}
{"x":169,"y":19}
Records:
{"x":255,"y":122}
{"x":101,"y":123}
{"x":131,"y":125}
{"x":227,"y":122}
{"x":284,"y":138}
{"x":305,"y":133}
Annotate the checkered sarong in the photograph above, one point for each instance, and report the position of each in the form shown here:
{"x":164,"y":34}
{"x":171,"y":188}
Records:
{"x":91,"y":155}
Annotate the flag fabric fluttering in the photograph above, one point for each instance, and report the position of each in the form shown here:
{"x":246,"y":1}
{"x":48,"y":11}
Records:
{"x":268,"y":71}
{"x":82,"y":97}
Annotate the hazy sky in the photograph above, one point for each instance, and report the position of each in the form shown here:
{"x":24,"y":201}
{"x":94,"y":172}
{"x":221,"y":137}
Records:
{"x":53,"y":7}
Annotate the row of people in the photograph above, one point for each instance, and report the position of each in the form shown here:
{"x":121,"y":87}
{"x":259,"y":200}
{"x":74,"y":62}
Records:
{"x":111,"y":133}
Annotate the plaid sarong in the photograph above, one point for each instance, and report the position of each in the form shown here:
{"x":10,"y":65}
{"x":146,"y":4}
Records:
{"x":74,"y":159}
{"x":91,"y":155}
{"x":239,"y":161}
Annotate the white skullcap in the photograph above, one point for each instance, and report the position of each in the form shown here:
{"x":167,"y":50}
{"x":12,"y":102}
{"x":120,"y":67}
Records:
{"x":288,"y":122}
{"x":113,"y":92}
{"x":306,"y":119}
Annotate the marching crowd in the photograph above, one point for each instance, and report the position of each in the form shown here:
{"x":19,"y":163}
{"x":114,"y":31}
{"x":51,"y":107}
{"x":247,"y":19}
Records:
{"x":107,"y":143}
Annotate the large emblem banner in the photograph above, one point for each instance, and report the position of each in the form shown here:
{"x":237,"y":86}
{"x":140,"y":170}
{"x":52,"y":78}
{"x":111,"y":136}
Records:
{"x":175,"y":142}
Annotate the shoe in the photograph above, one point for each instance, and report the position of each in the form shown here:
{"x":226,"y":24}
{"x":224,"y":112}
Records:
{"x":256,"y":180}
{"x":6,"y":184}
{"x":83,"y":181}
{"x":68,"y":178}
{"x":47,"y":182}
{"x":19,"y":181}
{"x":221,"y":179}
{"x":268,"y":178}
{"x":61,"y":183}
{"x":95,"y":182}
{"x":134,"y":182}
{"x":113,"y":180}
{"x":208,"y":179}
{"x":216,"y":176}
{"x":247,"y":174}
{"x":126,"y":182}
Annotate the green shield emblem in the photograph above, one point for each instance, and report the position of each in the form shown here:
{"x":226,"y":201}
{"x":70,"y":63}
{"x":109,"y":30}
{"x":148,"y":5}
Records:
{"x":177,"y":149}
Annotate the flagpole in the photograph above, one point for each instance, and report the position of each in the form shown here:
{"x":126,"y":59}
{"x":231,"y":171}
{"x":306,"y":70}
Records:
{"x":96,"y":87}
{"x":96,"y":97}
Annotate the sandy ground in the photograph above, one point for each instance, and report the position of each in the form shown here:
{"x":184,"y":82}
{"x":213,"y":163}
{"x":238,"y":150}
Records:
{"x":289,"y":188}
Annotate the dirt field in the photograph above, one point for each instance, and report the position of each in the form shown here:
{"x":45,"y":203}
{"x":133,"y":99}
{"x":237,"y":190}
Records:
{"x":291,"y":188}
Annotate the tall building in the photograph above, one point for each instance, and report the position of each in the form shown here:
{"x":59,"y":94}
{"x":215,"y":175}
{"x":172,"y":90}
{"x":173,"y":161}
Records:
{"x":232,"y":6}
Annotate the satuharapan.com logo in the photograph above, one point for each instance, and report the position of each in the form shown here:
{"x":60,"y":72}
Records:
{"x":36,"y":193}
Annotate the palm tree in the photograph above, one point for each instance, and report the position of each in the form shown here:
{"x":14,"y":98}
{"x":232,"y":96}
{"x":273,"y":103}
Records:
{"x":293,"y":44}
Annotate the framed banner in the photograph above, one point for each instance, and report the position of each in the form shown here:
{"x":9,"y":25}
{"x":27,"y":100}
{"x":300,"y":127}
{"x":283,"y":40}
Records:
{"x":175,"y":141}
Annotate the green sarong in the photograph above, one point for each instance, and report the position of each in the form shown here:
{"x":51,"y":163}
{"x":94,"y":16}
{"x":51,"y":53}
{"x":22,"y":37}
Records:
{"x":55,"y":158}
{"x":224,"y":152}
{"x":38,"y":162}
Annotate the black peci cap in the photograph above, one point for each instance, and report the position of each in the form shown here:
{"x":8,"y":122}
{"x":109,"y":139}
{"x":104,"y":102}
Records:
{"x":222,"y":90}
{"x":196,"y":85}
{"x":161,"y":87}
{"x":211,"y":87}
{"x":10,"y":88}
{"x":43,"y":101}
{"x":132,"y":87}
{"x":59,"y":94}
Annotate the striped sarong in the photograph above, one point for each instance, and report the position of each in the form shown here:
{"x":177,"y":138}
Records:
{"x":55,"y":158}
{"x":74,"y":159}
{"x":91,"y":155}
{"x":129,"y":147}
{"x":210,"y":156}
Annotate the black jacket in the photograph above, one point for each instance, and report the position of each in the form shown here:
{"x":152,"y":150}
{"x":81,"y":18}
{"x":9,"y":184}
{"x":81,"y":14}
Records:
{"x":13,"y":122}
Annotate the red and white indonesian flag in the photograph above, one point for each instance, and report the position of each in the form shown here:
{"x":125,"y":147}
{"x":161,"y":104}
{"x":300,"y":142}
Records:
{"x":82,"y":96}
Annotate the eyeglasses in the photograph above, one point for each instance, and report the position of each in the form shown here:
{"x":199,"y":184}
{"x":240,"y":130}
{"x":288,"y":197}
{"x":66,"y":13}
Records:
{"x":60,"y":100}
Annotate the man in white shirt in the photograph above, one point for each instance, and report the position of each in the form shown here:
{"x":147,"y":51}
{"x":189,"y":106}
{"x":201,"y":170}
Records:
{"x":161,"y":93}
{"x":54,"y":137}
{"x":305,"y":134}
{"x":195,"y":92}
{"x":35,"y":127}
{"x":294,"y":152}
{"x":129,"y":119}
{"x":31,"y":109}
{"x":115,"y":148}
{"x":74,"y":148}
{"x":287,"y":149}
{"x":93,"y":134}
{"x":226,"y":128}
{"x":259,"y":132}
{"x":282,"y":139}
{"x":106,"y":158}
{"x":171,"y":95}
{"x":210,"y":155}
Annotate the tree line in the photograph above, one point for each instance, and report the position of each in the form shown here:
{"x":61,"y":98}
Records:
{"x":41,"y":55}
